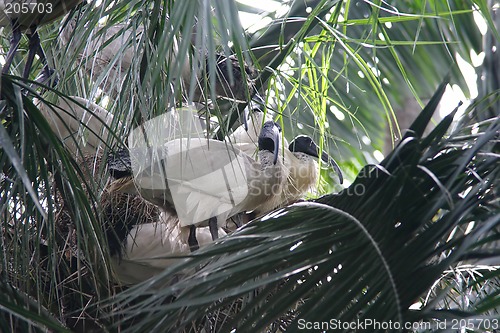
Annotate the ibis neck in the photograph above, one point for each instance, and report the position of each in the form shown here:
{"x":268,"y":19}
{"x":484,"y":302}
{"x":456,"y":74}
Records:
{"x":303,"y":175}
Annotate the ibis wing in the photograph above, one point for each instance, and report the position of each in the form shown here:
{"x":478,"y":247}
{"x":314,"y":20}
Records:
{"x":201,"y":178}
{"x":80,"y":128}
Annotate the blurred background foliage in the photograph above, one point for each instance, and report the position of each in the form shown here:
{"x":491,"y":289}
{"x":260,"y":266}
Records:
{"x":353,"y":74}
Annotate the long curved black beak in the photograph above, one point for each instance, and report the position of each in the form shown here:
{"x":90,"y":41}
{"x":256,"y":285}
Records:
{"x":269,"y":139}
{"x":327,"y":159}
{"x":246,"y":114}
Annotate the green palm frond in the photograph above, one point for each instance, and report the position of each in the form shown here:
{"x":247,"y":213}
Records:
{"x":368,"y":252}
{"x":414,"y":237}
{"x":38,"y":249}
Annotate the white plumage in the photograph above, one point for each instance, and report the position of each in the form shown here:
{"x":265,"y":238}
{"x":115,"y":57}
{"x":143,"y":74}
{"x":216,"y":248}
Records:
{"x":208,"y":178}
{"x":113,"y":50}
{"x":303,"y":176}
{"x":299,"y":160}
{"x":152,"y":247}
{"x":108,"y":56}
{"x":79,"y":124}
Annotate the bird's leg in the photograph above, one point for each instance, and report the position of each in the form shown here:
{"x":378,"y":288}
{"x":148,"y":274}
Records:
{"x":237,"y":220}
{"x":34,"y":44}
{"x":213,"y":227}
{"x":240,"y":219}
{"x":14,"y":44}
{"x":46,"y":69}
{"x":192,"y":241}
{"x":36,"y":48}
{"x":46,"y":75}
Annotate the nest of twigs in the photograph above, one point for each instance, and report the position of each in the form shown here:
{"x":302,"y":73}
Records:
{"x":119,"y":212}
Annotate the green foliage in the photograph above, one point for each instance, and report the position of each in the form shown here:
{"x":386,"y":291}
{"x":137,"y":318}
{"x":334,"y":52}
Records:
{"x":368,"y":252}
{"x":412,"y":238}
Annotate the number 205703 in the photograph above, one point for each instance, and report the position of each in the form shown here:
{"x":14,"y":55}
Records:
{"x":27,"y":7}
{"x":475,"y":323}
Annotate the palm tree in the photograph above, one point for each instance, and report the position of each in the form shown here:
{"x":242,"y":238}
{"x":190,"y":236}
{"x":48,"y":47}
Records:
{"x":412,"y":239}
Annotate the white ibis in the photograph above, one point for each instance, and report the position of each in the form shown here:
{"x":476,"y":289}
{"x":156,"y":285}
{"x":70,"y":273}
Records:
{"x":151,"y":247}
{"x":301,"y":159}
{"x":107,"y":56}
{"x":112,"y":53}
{"x":27,"y":16}
{"x":80,"y":124}
{"x":190,"y":166}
